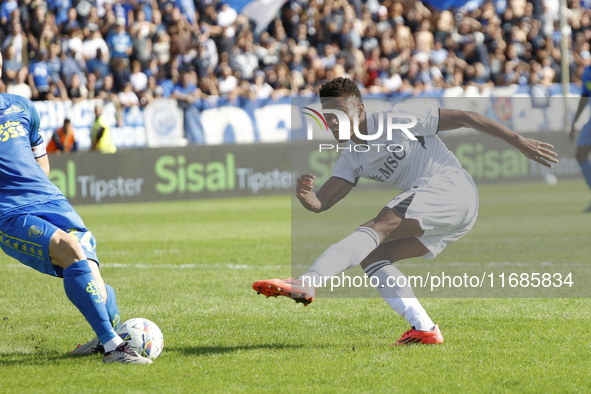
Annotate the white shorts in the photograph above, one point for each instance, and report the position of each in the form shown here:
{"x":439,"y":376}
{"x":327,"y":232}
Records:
{"x":445,"y":204}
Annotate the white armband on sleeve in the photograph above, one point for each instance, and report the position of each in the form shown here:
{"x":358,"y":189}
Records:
{"x":39,"y":151}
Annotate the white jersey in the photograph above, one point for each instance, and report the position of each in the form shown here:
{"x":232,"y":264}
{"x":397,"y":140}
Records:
{"x":407,"y":160}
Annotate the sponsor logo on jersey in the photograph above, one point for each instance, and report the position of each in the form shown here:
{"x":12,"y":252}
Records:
{"x":388,"y":167}
{"x":35,"y":232}
{"x":11,"y":129}
{"x":13,"y":109}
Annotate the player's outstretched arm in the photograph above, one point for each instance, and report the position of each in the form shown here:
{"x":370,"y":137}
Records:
{"x":328,"y":195}
{"x":541,"y":152}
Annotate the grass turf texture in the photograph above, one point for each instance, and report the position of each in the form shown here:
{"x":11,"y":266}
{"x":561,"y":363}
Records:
{"x":189,"y":266}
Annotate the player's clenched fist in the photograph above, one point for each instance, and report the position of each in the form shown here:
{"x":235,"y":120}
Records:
{"x":305,"y":185}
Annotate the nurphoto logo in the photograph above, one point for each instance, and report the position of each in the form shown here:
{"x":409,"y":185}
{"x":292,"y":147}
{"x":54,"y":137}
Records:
{"x":387,"y":122}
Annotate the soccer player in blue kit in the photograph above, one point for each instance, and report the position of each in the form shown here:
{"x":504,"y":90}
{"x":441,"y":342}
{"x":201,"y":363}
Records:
{"x":40,"y":228}
{"x":584,"y":141}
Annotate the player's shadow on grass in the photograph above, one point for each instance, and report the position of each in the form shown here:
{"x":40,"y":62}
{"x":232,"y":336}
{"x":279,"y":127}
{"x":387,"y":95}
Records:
{"x":208,"y":350}
{"x":8,"y":359}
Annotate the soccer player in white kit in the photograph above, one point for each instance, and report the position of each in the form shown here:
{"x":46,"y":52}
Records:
{"x":438,"y":206}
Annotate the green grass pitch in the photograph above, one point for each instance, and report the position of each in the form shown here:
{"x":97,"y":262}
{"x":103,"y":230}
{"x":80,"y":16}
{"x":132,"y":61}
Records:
{"x":189,"y":266}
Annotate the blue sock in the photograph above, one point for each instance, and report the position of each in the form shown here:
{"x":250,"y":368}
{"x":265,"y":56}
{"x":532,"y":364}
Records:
{"x":83,"y":291}
{"x":586,"y":168}
{"x":112,"y":308}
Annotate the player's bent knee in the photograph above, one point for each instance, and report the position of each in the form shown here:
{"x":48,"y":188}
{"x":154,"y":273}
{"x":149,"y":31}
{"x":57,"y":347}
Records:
{"x":64,"y":249}
{"x":384,"y":224}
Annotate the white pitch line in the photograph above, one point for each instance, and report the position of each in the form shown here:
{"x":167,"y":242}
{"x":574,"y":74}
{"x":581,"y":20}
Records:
{"x":494,"y":264}
{"x":477,"y":264}
{"x":247,"y":266}
{"x":129,"y":252}
{"x":189,"y":266}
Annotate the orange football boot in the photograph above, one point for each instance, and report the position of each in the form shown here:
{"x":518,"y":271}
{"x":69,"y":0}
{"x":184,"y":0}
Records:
{"x":415,"y":336}
{"x":289,"y":287}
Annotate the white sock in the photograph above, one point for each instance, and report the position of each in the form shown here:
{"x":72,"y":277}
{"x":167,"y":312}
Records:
{"x":112,"y":344}
{"x":401,"y":299}
{"x":344,"y":254}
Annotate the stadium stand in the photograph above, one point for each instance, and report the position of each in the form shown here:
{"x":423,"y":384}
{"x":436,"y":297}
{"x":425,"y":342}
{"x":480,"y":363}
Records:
{"x":134,"y":51}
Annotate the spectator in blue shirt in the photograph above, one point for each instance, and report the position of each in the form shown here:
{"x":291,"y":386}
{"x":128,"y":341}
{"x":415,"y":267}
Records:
{"x":70,"y":66}
{"x":11,"y":66}
{"x":71,"y":23}
{"x":7,"y":7}
{"x":120,"y":42}
{"x":98,"y":65}
{"x":55,"y":61}
{"x":39,"y":76}
{"x":18,"y":40}
{"x":186,"y":91}
{"x":60,"y":9}
{"x":164,"y":83}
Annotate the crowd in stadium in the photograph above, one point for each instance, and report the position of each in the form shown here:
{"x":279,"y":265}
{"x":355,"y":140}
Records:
{"x":133,"y":51}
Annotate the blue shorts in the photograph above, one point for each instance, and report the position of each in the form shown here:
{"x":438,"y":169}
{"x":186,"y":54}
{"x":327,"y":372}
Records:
{"x":585,"y":135}
{"x":25,"y":233}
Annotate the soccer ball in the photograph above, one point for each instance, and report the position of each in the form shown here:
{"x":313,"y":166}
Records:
{"x":550,"y":179}
{"x":143,"y":336}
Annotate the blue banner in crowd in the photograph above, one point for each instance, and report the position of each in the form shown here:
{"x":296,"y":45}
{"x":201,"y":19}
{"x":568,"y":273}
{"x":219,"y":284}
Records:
{"x":241,"y":121}
{"x":457,"y":4}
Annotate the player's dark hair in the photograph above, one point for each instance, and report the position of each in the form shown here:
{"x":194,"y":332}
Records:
{"x":340,"y":87}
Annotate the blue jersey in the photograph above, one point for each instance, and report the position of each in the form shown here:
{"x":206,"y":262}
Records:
{"x":585,"y":135}
{"x":22,"y":181}
{"x":586,"y":82}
